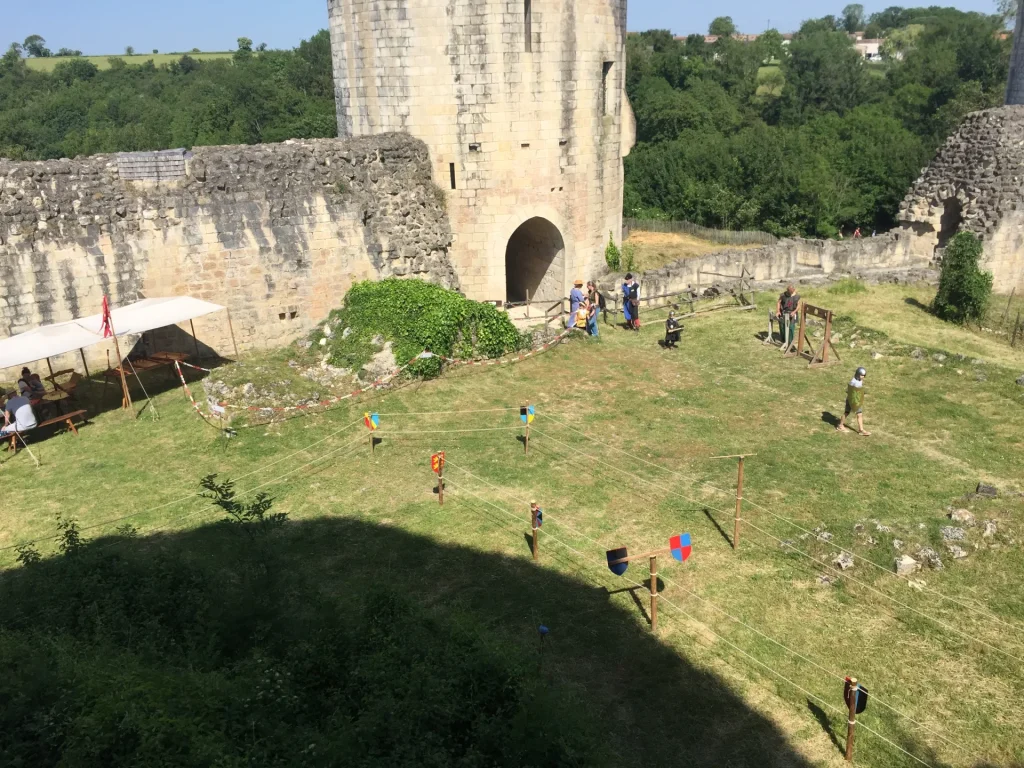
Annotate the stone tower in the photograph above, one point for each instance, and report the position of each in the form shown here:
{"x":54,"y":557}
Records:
{"x":1015,"y":82}
{"x":522,"y":106}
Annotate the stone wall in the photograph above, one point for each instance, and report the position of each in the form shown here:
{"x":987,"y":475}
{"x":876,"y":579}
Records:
{"x":523,"y":107}
{"x":277,"y":233}
{"x":787,"y":259}
{"x":975,"y":184}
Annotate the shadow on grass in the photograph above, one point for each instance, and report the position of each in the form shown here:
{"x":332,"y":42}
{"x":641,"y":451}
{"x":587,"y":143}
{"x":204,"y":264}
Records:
{"x":911,"y":301}
{"x":211,"y":647}
{"x":830,"y":418}
{"x":826,"y":725}
{"x":721,"y":531}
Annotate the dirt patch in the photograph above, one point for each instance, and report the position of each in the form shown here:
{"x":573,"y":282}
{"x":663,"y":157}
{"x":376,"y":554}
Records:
{"x":656,"y":249}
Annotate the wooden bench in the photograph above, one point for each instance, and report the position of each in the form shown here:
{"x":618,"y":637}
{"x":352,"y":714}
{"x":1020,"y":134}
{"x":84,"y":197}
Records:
{"x":68,"y":418}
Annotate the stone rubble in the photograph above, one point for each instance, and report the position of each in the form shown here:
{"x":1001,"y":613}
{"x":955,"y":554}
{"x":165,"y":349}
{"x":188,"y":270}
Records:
{"x":906,"y":565}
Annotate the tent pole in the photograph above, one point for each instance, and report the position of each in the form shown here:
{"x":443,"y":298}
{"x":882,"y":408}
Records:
{"x":193,"y":327}
{"x":232,"y":329}
{"x":49,"y":366}
{"x":126,"y":401}
{"x":84,"y":364}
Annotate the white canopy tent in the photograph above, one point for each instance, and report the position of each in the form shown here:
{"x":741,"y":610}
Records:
{"x":75,"y":335}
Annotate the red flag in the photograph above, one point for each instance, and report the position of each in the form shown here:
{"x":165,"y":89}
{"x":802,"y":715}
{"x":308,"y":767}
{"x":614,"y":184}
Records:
{"x":106,"y":328}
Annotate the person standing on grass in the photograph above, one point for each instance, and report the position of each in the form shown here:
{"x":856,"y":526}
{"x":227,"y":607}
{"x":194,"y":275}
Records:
{"x":672,"y":329}
{"x":786,"y":309}
{"x":575,"y":299}
{"x":596,"y":300}
{"x":631,"y":302}
{"x":855,"y":403}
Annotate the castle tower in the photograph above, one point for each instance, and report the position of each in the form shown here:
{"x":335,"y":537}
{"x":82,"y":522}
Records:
{"x":1015,"y":82}
{"x":522,"y":106}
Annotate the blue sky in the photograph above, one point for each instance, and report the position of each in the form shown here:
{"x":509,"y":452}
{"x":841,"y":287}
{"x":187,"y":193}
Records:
{"x":107,"y":26}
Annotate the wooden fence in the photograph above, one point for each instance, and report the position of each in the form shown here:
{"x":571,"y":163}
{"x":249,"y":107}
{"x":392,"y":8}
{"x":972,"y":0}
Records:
{"x":724,"y":236}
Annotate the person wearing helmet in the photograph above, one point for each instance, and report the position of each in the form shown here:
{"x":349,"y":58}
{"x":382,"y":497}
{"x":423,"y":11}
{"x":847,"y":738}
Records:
{"x":672,"y":331}
{"x":855,"y":402}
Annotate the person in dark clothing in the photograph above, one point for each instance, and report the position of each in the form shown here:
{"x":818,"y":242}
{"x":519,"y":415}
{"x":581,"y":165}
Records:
{"x":631,"y":302}
{"x":786,"y":310}
{"x":672,"y":331}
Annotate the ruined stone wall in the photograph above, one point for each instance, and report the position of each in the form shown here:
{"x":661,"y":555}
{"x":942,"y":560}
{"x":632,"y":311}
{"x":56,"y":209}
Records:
{"x":277,"y":233}
{"x":975,"y":184}
{"x":522,"y":104}
{"x":785,"y":260}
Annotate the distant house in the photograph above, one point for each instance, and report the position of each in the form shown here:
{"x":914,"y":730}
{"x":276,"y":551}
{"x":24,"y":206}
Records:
{"x":869,"y":49}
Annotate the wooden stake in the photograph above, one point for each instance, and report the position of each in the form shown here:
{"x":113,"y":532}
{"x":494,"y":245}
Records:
{"x":527,"y":303}
{"x":232,"y":329}
{"x":194,"y":339}
{"x":852,"y":722}
{"x":373,"y":443}
{"x":533,"y":523}
{"x":84,"y":364}
{"x":49,"y":366}
{"x":739,"y":495}
{"x":126,"y":397}
{"x":440,"y":485}
{"x":526,"y":441}
{"x":654,"y":593}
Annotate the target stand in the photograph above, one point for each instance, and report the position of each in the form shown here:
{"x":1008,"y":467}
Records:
{"x":804,"y":347}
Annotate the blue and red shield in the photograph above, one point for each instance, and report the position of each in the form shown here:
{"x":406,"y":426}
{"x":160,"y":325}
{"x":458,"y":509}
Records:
{"x":617,"y":554}
{"x":680,"y":547}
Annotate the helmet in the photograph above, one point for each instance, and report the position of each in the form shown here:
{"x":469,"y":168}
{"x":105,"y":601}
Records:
{"x":860,"y":372}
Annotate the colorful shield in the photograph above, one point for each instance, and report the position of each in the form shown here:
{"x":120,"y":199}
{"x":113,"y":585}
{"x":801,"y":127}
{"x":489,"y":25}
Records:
{"x":617,"y":554}
{"x":680,"y":547}
{"x":437,"y":462}
{"x":372,"y":421}
{"x":539,"y":517}
{"x":526,"y":414}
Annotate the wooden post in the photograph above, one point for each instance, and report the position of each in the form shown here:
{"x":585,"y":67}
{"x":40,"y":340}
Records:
{"x":526,"y":440}
{"x":527,"y":303}
{"x":851,"y":724}
{"x":739,"y":504}
{"x":194,"y":339}
{"x":654,"y":593}
{"x":373,"y":443}
{"x":126,"y":397}
{"x":231,"y":328}
{"x":739,"y":496}
{"x":827,"y":341}
{"x":49,"y":366}
{"x":1016,"y":326}
{"x":535,"y":527}
{"x":84,"y":364}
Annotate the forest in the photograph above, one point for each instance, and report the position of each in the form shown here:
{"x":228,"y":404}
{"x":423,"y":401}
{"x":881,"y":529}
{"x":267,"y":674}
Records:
{"x":818,"y":142}
{"x":801,"y":136}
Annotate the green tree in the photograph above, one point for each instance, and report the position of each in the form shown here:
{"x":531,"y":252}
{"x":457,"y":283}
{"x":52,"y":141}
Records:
{"x":244,"y":49}
{"x":68,"y":52}
{"x":722,"y":26}
{"x":964,"y":290}
{"x":129,"y":51}
{"x":772,"y":46}
{"x":853,"y":18}
{"x":825,"y":73}
{"x":35,"y":45}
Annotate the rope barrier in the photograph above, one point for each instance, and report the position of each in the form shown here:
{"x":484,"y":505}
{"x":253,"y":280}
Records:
{"x":662,"y":598}
{"x":754,"y":504}
{"x":191,"y":495}
{"x":811,"y":662}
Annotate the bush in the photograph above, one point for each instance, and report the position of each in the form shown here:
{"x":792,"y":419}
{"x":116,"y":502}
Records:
{"x":415,"y":315}
{"x":611,"y":254}
{"x":964,"y":290}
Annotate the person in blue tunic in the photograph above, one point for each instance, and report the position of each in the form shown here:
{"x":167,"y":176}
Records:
{"x":631,"y":302}
{"x":575,"y":299}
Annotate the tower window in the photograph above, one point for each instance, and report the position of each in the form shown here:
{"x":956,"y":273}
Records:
{"x":606,"y":78}
{"x":451,"y":172}
{"x":528,"y":24}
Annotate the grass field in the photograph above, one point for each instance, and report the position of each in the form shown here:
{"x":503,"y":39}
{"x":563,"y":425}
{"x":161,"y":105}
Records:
{"x":742,"y":670}
{"x":656,"y":249}
{"x":48,"y":63}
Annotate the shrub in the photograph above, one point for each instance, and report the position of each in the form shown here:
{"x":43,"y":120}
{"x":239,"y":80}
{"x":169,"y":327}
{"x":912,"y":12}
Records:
{"x":964,"y":290}
{"x":611,"y":254}
{"x":415,"y":315}
{"x":629,"y":261}
{"x":847,"y":286}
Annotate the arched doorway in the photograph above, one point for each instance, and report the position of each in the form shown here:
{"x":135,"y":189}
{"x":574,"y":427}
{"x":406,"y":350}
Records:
{"x":949,"y":223}
{"x":535,"y":262}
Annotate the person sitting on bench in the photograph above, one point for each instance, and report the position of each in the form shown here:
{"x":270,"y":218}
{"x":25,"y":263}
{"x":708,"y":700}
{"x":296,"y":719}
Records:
{"x":18,"y":416}
{"x":30,"y":385}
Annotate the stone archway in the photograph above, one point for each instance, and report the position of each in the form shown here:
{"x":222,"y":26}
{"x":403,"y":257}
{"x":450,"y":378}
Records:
{"x":949,"y":223}
{"x":535,"y":262}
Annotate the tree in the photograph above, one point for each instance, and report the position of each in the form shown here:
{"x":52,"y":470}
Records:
{"x":129,"y":51}
{"x":35,"y":45}
{"x":722,"y":26}
{"x":1007,"y":9}
{"x":899,"y":41}
{"x":262,"y":47}
{"x":244,"y":49}
{"x":68,"y":52}
{"x":964,"y":290}
{"x":824,"y":72}
{"x":853,"y":18}
{"x":156,"y":51}
{"x":813,"y":26}
{"x":771,"y":45}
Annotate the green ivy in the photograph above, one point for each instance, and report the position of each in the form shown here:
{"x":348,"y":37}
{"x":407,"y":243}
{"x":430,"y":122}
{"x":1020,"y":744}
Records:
{"x":415,"y":315}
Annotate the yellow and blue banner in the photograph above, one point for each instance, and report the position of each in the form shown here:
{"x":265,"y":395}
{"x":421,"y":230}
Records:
{"x":372,"y":421}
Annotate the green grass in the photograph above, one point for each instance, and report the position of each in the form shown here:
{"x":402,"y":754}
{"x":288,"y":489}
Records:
{"x":847,"y":286}
{"x":103,"y":62}
{"x":362,"y":519}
